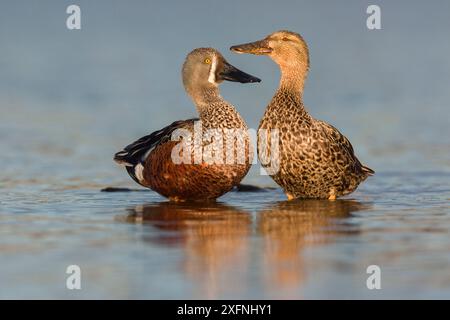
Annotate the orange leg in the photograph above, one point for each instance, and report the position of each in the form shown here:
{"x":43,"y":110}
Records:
{"x":289,"y":196}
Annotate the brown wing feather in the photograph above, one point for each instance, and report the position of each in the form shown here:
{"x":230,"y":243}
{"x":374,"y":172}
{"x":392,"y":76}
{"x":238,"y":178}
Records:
{"x":342,"y":141}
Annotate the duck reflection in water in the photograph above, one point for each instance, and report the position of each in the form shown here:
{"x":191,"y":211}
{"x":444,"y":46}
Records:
{"x":221,"y":244}
{"x":289,"y":227}
{"x":214,"y":239}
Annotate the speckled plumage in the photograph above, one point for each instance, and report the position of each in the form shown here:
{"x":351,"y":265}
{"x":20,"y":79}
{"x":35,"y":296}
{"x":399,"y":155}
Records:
{"x":149,"y":160}
{"x":315,"y":159}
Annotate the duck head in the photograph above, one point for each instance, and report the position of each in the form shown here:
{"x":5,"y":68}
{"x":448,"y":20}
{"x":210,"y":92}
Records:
{"x":206,"y":68}
{"x":286,"y":48}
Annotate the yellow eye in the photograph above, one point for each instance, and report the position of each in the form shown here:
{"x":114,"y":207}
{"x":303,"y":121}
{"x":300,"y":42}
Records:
{"x":207,"y":61}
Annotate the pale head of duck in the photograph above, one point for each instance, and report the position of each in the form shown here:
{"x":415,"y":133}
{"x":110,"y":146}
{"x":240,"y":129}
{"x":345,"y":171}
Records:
{"x":204,"y":69}
{"x":288,"y":49}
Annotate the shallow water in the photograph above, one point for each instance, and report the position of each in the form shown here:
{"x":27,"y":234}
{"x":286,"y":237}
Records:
{"x":69,"y":100}
{"x":248,"y":245}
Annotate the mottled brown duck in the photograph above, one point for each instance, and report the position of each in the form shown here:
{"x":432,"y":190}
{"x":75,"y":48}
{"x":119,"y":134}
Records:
{"x":184,"y":172}
{"x":314,"y":159}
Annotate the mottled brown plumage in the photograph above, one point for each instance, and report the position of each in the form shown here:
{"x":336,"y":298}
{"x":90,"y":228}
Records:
{"x":150,"y":160}
{"x":315,"y":159}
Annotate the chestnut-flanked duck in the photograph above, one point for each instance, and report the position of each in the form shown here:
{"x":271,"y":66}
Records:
{"x":150,"y":160}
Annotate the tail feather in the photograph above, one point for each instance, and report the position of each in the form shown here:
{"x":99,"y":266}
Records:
{"x":368,"y":170}
{"x":122,"y":158}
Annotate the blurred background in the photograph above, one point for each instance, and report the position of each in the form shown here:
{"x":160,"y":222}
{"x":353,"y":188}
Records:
{"x":70,"y":99}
